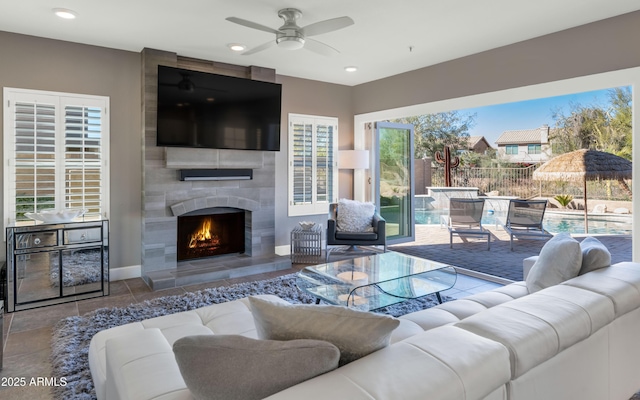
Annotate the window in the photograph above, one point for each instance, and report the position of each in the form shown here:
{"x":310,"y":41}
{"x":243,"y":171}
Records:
{"x":313,"y":177}
{"x":511,"y":149}
{"x":534,"y":148}
{"x":56,"y":148}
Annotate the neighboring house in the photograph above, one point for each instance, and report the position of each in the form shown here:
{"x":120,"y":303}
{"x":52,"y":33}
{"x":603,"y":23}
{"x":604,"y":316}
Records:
{"x":478,"y":144}
{"x":525,"y":145}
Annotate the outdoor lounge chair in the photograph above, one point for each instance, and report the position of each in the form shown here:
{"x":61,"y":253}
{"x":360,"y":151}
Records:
{"x":465,"y":219}
{"x":524,"y":220}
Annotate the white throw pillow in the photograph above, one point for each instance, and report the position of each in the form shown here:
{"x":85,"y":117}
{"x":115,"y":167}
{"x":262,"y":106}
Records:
{"x":560,"y":259}
{"x":354,"y":216}
{"x":595,"y":255}
{"x":355,"y":333}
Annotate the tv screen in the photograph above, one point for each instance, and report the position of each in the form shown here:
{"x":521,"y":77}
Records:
{"x":198,"y":109}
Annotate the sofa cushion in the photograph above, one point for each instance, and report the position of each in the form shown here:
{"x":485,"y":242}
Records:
{"x":355,"y":333}
{"x":141,"y":365}
{"x":535,"y":328}
{"x":445,"y":364}
{"x":595,"y":255}
{"x":355,"y":216}
{"x":236,"y":367}
{"x":620,"y":283}
{"x":560,"y":259}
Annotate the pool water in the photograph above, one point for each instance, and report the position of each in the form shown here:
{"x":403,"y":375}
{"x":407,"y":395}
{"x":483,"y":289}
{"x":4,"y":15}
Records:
{"x":553,"y":222}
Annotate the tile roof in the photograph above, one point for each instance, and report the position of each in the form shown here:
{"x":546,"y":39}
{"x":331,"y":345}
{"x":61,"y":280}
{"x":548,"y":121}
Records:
{"x":472,"y":141}
{"x":522,"y":136}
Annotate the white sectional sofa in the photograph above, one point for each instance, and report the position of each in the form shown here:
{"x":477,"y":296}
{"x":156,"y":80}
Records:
{"x":575,"y":340}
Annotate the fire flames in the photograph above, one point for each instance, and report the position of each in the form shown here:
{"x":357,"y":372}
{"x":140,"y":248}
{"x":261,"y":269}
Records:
{"x":202,"y":237}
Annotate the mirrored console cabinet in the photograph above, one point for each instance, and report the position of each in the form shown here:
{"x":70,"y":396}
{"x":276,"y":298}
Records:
{"x":56,"y":263}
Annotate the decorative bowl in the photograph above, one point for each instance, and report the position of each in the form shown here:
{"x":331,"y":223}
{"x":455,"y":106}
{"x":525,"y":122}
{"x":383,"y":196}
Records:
{"x":56,"y":216}
{"x":307,"y":225}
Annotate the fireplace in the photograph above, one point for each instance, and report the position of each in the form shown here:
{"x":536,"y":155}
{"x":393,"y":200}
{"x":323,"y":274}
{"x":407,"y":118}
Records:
{"x":218,"y":231}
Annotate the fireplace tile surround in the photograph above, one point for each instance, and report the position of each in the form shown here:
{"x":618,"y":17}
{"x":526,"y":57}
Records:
{"x":165,"y":197}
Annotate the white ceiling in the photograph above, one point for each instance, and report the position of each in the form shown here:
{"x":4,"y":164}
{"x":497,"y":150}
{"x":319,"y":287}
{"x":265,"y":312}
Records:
{"x":378,"y":43}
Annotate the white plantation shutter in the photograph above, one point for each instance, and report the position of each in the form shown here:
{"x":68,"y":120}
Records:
{"x":34,"y":157}
{"x":324,"y":163}
{"x":312,"y":164}
{"x":55,"y":151}
{"x":83,"y":158}
{"x":302,"y":162}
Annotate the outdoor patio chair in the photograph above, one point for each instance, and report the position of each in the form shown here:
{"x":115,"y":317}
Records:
{"x":524,"y":220}
{"x":465,"y":219}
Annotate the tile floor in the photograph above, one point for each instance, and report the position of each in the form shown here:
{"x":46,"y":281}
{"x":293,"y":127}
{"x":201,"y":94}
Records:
{"x":27,"y":334}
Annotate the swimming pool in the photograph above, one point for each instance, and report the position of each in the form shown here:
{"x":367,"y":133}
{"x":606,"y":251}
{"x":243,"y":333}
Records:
{"x":554,"y":222}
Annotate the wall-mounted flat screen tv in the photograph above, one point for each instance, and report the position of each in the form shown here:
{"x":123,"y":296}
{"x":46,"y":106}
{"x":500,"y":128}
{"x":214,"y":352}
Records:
{"x":198,"y":109}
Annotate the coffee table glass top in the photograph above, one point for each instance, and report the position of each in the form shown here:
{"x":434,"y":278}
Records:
{"x":376,"y":281}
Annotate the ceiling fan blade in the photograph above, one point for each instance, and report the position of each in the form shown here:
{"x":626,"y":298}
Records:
{"x":327,"y":26}
{"x":263,"y":46}
{"x":252,"y":25}
{"x":320,"y":48}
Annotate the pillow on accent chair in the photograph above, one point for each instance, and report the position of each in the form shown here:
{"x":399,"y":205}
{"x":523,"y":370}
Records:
{"x":355,"y":333}
{"x":354,"y":216}
{"x":595,"y":255}
{"x":560,"y":259}
{"x":223,"y":367}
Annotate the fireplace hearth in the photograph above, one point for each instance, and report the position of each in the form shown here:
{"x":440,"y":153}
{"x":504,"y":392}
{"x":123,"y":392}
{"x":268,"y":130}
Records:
{"x":212,"y":234}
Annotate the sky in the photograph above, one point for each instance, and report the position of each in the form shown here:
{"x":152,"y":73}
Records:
{"x":492,"y":121}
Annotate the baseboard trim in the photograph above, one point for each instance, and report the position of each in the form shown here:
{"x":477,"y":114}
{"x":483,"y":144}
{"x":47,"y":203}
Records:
{"x":122,"y":273}
{"x":283,"y":250}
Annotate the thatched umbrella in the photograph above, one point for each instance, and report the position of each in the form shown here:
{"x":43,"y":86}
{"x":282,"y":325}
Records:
{"x":582,"y":166}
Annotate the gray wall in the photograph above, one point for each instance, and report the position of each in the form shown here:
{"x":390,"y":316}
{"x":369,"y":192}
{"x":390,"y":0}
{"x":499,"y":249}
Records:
{"x":29,"y":62}
{"x":302,"y":96}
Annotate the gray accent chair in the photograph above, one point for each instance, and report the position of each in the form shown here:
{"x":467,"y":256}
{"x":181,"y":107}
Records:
{"x":354,"y":239}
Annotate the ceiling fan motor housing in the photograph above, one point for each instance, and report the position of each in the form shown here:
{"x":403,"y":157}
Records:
{"x":289,"y":36}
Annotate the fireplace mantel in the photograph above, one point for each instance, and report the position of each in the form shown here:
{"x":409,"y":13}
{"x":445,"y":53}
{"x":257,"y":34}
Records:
{"x":214,"y":201}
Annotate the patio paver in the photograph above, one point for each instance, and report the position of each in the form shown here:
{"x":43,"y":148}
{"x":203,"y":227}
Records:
{"x":432,"y":242}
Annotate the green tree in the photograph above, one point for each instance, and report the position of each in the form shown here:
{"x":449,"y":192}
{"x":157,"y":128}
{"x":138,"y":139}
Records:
{"x":434,"y":131}
{"x":621,"y":99}
{"x":605,"y":128}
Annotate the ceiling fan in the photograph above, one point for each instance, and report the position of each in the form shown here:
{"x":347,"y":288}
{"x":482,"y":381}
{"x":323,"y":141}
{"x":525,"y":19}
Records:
{"x":293,"y":37}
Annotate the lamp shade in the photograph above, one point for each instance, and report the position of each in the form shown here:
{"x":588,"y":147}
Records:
{"x":353,"y":159}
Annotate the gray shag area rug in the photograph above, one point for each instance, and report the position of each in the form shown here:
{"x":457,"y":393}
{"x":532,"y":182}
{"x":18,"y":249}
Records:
{"x":71,"y":337}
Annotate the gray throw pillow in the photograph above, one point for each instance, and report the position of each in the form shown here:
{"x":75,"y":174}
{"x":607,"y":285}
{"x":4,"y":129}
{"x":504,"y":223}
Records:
{"x":355,"y":333}
{"x":354,"y":216}
{"x":595,"y":255}
{"x":224,"y":367}
{"x":560,"y":259}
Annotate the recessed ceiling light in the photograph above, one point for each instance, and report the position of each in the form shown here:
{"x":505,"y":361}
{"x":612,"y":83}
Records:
{"x":64,"y":13}
{"x":351,"y":69}
{"x":236,"y":46}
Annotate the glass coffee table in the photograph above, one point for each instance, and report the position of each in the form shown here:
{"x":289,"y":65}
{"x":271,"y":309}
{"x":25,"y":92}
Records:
{"x":376,"y":281}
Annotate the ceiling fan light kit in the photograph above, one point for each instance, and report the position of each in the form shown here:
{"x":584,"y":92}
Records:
{"x":290,"y":36}
{"x":290,"y":42}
